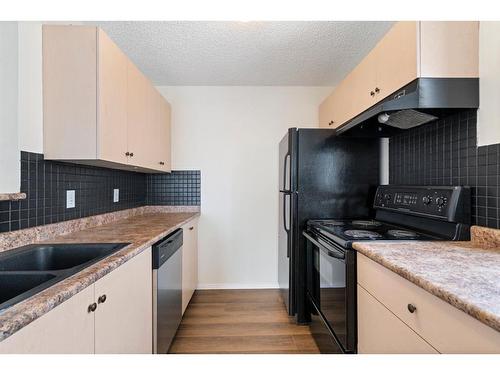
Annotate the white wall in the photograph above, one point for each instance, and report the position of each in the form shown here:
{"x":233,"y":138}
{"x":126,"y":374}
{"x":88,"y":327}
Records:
{"x":9,"y":148}
{"x":488,"y":121}
{"x":231,"y":134}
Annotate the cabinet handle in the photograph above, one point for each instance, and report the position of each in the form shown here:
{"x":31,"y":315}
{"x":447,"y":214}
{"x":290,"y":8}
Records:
{"x":411,"y":308}
{"x":101,"y":299}
{"x":162,"y":163}
{"x":372,"y":93}
{"x":92,"y":307}
{"x":191,"y":228}
{"x":377,"y":90}
{"x":331,"y":123}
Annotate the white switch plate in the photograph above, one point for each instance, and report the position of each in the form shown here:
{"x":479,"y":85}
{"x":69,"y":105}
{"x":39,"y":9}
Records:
{"x":70,"y":199}
{"x":116,"y":195}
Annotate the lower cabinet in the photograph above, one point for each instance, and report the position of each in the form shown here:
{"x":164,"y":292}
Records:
{"x":123,"y":319}
{"x":113,"y":315}
{"x":189,"y":261}
{"x":380,"y":331}
{"x":67,"y":329}
{"x":397,"y":316}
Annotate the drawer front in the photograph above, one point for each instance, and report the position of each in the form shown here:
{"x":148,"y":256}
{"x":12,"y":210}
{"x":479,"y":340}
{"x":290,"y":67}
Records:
{"x":381,"y":332}
{"x":446,"y":328}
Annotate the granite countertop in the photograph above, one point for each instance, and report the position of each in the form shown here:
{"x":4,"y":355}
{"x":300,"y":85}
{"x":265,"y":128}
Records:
{"x":141,"y":231}
{"x":464,"y":274}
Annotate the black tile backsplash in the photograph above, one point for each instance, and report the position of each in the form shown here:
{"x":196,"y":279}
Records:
{"x":445,"y":153}
{"x":45,"y":183}
{"x":179,"y":188}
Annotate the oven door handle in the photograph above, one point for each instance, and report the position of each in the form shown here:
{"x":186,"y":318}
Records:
{"x":332,"y":251}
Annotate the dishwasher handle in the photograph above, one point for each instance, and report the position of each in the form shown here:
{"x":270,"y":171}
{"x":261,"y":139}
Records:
{"x":166,"y":247}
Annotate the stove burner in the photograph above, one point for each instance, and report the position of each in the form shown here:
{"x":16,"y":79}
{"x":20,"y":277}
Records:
{"x":366,"y":223}
{"x":362,"y":234}
{"x":399,"y":233}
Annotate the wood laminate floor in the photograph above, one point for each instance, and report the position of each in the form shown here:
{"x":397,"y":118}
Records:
{"x":240,"y":321}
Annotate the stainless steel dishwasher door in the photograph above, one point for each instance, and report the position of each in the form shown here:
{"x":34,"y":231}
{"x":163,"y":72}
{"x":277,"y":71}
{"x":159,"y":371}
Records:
{"x":167,"y":300}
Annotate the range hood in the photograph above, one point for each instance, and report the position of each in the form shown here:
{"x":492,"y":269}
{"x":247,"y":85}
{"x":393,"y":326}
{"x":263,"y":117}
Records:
{"x":422,"y":101}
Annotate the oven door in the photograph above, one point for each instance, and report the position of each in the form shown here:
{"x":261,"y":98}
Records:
{"x":332,"y":289}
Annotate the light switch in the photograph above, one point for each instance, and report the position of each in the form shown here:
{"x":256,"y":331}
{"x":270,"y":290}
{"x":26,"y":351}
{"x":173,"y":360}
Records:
{"x":116,"y":195}
{"x":70,"y":199}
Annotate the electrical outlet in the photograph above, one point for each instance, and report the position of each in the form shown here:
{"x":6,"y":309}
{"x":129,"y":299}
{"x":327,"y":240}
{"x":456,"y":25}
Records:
{"x":70,"y":199}
{"x":116,"y":195}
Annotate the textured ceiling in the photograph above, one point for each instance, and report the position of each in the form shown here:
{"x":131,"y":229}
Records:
{"x":246,"y":53}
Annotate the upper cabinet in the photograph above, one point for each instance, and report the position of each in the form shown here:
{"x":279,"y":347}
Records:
{"x":408,"y":51}
{"x":9,"y":63}
{"x":99,"y":109}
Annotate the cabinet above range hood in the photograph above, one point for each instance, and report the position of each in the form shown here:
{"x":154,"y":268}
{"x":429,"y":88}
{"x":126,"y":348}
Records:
{"x":421,"y":101}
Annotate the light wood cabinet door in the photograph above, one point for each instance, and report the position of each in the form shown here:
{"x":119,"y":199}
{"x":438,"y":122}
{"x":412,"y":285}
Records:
{"x":359,"y":87}
{"x":189,"y":261}
{"x":449,"y":49}
{"x":112,"y":101}
{"x":351,"y":97}
{"x":160,"y":110}
{"x":164,"y":137}
{"x":396,"y":59}
{"x":123,"y":322}
{"x":381,"y":332}
{"x":325,"y":111}
{"x":69,"y":91}
{"x":337,"y":108}
{"x":140,"y":126}
{"x":67,"y":329}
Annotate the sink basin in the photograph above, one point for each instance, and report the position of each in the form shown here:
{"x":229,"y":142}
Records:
{"x":16,"y":284}
{"x":55,"y":257}
{"x":30,"y":269}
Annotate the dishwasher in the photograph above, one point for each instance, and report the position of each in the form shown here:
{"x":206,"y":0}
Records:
{"x":167,"y":290}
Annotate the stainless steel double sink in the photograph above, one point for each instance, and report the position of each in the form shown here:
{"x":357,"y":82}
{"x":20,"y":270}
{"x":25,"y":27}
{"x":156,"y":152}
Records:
{"x":30,"y":269}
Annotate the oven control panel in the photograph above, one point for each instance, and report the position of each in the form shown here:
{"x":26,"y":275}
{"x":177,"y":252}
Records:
{"x":444,"y":202}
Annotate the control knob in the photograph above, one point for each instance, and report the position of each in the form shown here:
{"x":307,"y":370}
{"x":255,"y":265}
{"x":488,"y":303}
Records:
{"x":441,"y":201}
{"x":427,"y":200}
{"x":387,"y":197}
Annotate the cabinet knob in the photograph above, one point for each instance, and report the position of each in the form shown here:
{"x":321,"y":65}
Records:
{"x":372,"y":93}
{"x":162,"y":163}
{"x":92,"y":307}
{"x":191,"y":228}
{"x":131,"y":154}
{"x":377,"y":90}
{"x":101,"y":299}
{"x":127,"y":153}
{"x":411,"y":308}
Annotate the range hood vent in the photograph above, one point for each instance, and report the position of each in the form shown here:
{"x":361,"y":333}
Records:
{"x":422,"y":101}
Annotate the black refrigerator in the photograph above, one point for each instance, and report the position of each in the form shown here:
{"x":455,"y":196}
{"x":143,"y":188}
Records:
{"x":321,"y":176}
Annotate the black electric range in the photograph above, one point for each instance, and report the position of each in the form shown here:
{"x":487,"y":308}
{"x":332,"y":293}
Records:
{"x":402,"y":213}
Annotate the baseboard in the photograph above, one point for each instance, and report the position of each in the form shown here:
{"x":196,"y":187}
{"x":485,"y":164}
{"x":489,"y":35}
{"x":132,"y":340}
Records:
{"x":238,"y":286}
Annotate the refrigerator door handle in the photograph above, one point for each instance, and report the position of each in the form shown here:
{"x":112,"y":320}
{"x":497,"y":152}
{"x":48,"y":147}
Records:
{"x":286,"y":194}
{"x":287,"y":161}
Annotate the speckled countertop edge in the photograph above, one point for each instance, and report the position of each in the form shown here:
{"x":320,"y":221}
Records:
{"x":23,"y":313}
{"x":484,"y":316}
{"x":12,"y":196}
